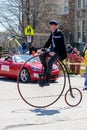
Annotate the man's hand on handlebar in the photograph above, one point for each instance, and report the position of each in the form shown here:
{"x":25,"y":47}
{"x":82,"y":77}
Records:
{"x":51,"y":53}
{"x":45,"y":50}
{"x":42,"y":50}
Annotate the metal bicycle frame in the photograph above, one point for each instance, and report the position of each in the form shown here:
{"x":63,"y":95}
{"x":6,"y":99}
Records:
{"x":69,"y":82}
{"x":66,"y":74}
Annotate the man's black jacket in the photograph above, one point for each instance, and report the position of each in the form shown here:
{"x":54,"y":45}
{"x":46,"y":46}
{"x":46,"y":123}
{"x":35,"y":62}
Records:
{"x":60,"y":47}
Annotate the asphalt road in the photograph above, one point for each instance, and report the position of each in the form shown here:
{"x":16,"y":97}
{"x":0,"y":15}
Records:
{"x":15,"y":114}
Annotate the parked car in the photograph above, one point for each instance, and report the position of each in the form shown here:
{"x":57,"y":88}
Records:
{"x":10,"y":66}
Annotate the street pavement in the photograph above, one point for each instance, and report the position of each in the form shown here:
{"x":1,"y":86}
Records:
{"x":15,"y":114}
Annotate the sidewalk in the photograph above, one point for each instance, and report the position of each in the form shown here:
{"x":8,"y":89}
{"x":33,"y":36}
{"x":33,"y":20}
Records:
{"x":15,"y":114}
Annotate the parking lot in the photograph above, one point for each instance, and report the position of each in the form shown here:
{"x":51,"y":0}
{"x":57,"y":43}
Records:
{"x":15,"y":114}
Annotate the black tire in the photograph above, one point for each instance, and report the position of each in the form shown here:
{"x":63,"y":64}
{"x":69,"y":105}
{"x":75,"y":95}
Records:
{"x":24,"y":75}
{"x":74,"y":99}
{"x":40,"y":97}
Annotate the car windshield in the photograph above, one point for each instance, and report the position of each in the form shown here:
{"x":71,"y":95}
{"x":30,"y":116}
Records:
{"x":23,"y":58}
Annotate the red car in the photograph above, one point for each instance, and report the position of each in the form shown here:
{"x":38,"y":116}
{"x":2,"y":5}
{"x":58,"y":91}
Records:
{"x":10,"y":66}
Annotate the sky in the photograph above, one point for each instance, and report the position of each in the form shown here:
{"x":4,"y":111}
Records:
{"x":9,"y":14}
{"x":1,"y":27}
{"x":5,"y":12}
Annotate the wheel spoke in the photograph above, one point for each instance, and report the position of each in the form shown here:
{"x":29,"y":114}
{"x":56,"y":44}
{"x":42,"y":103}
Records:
{"x":24,"y":75}
{"x":73,"y":99}
{"x":35,"y":95}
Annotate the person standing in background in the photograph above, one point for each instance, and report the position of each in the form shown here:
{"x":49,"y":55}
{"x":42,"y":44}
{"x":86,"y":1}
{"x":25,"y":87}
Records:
{"x":33,"y":49}
{"x":73,"y":60}
{"x":14,"y":47}
{"x":85,"y":61}
{"x":24,"y":47}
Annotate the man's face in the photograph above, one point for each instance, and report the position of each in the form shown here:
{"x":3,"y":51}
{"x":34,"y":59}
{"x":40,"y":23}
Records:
{"x":52,"y":27}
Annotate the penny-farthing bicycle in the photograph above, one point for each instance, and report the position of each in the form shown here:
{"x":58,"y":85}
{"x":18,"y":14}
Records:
{"x":43,"y":96}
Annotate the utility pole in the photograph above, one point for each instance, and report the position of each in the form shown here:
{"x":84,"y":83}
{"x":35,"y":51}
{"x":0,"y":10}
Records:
{"x":34,"y":14}
{"x":24,"y":16}
{"x":29,"y":40}
{"x":28,"y":11}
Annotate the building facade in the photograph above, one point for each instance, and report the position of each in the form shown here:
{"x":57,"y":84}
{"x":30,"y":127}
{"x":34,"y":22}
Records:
{"x":80,"y":21}
{"x":70,"y":14}
{"x":80,"y":25}
{"x":42,"y":11}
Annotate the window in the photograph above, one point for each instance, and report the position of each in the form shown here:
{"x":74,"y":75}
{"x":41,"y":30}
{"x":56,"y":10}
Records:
{"x":82,"y":3}
{"x":81,"y":31}
{"x":79,"y":3}
{"x":66,"y":6}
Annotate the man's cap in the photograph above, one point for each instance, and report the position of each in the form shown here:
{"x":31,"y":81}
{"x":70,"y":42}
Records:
{"x":53,"y":22}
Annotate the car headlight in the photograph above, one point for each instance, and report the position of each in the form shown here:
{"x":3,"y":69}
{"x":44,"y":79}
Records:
{"x":35,"y":68}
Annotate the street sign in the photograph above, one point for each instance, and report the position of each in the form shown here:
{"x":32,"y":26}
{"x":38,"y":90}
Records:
{"x":29,"y":39}
{"x":29,"y":31}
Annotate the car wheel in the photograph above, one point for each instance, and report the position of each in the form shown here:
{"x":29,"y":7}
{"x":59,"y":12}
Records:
{"x":24,"y":75}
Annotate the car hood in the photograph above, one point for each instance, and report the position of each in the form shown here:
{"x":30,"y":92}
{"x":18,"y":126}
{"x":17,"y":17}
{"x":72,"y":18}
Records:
{"x":39,"y":65}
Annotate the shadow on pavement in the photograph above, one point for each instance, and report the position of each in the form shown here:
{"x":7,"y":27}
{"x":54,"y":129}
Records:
{"x":38,"y":111}
{"x":8,"y":79}
{"x":43,"y":112}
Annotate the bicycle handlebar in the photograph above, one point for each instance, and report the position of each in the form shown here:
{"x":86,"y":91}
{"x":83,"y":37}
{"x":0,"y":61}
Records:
{"x":43,"y":50}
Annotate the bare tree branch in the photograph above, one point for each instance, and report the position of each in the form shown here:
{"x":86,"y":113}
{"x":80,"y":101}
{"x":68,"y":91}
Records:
{"x":11,"y":15}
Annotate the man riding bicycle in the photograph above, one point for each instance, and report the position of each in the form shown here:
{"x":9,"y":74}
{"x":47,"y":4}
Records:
{"x":57,"y":50}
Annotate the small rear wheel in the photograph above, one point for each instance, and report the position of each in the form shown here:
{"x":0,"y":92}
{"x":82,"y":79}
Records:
{"x":73,"y":97}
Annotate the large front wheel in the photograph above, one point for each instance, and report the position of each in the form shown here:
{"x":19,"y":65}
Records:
{"x":41,"y":96}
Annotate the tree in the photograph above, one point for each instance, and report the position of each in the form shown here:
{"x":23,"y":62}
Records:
{"x":11,"y":16}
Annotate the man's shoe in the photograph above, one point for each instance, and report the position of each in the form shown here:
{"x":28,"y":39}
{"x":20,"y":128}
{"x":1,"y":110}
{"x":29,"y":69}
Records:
{"x":41,"y":83}
{"x":45,"y":83}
